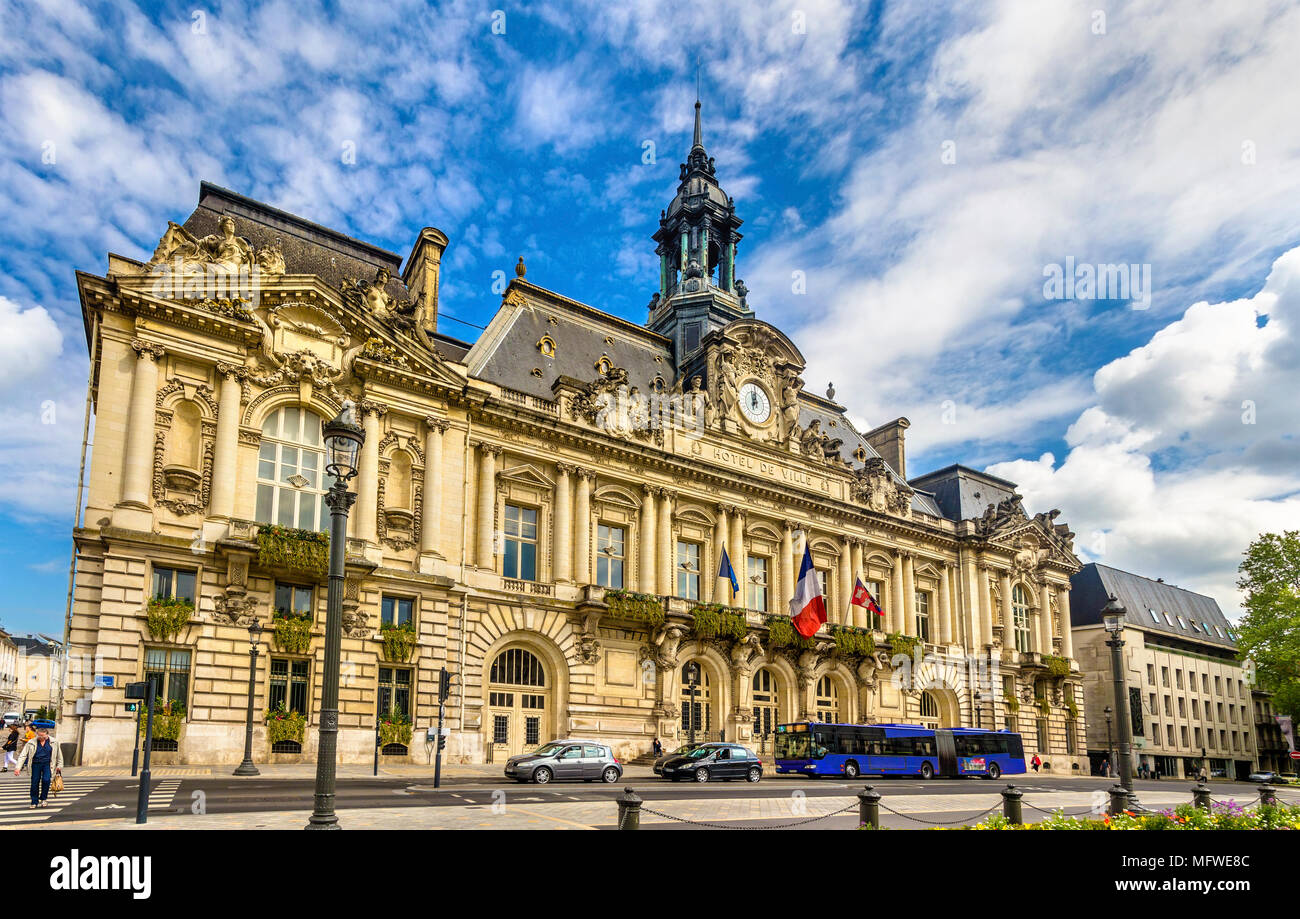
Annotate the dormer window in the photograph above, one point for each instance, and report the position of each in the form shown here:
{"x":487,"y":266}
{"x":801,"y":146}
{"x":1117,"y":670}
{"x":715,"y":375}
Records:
{"x":604,"y":366}
{"x":546,"y":346}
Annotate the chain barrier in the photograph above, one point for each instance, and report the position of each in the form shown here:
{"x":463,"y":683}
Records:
{"x":939,"y":822}
{"x":729,"y":826}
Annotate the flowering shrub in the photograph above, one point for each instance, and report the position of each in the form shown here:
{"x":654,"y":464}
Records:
{"x":1226,"y":815}
{"x":399,"y":642}
{"x":395,"y":727}
{"x":167,"y":720}
{"x":284,"y":724}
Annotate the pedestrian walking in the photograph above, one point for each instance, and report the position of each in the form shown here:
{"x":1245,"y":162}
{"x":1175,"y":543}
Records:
{"x":658,"y":748}
{"x":11,"y":747}
{"x":45,"y":758}
{"x":1036,"y":762}
{"x":1105,"y":768}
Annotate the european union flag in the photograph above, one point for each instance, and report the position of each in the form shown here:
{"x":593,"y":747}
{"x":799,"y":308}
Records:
{"x":726,"y":571}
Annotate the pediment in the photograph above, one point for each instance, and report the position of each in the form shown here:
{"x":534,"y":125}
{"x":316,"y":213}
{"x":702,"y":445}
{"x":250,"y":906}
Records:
{"x":526,"y":474}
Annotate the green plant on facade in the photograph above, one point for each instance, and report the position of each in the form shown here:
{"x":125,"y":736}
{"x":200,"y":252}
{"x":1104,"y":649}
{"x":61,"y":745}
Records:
{"x":1224,"y":815}
{"x":285,"y":724}
{"x":395,"y":727}
{"x":853,"y":642}
{"x":399,"y":642}
{"x":781,"y":634}
{"x":1044,"y":706}
{"x":1057,"y":667}
{"x":1013,"y":704}
{"x":291,"y":634}
{"x":165,"y":617}
{"x":713,"y":620}
{"x":904,"y":644}
{"x":304,"y":551}
{"x":1072,"y":709}
{"x":167,"y":720}
{"x":627,"y":604}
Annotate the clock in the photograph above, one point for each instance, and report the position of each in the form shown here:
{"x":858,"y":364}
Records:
{"x":754,"y":403}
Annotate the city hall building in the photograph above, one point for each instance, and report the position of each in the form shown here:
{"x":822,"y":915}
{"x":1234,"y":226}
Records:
{"x":542,"y":512}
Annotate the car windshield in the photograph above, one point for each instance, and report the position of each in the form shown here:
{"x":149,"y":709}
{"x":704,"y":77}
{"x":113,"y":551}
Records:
{"x":699,"y":752}
{"x":684,"y":749}
{"x":548,"y":749}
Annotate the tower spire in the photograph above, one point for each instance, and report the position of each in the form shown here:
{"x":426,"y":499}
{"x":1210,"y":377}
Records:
{"x":699,"y":133}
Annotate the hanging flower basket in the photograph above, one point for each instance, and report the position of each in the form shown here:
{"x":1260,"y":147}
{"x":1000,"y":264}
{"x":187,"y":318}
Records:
{"x":399,"y":642}
{"x":626,"y":604}
{"x":781,"y":633}
{"x":904,"y":644}
{"x":852,"y":642}
{"x":304,"y":551}
{"x":291,"y":634}
{"x":713,"y":620}
{"x":165,"y":618}
{"x":1057,"y":667}
{"x":285,"y":724}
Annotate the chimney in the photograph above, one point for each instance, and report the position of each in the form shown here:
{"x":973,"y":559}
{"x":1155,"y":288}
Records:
{"x":420,"y":275}
{"x":888,"y":442}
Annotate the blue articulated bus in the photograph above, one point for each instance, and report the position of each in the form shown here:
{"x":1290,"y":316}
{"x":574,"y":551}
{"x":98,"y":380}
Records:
{"x":849,"y":750}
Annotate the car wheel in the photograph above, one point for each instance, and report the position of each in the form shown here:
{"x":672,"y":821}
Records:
{"x":701,"y":775}
{"x":927,"y":771}
{"x":610,"y":775}
{"x":754,"y":774}
{"x":995,"y":771}
{"x":542,"y":775}
{"x":850,"y":770}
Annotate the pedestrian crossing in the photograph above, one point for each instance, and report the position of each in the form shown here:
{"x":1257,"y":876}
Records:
{"x":15,"y":798}
{"x":163,"y":793}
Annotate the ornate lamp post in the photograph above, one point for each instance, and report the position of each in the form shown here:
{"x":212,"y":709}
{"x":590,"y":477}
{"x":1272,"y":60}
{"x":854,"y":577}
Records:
{"x":1112,"y":617}
{"x":254,"y":635}
{"x":343,"y":440}
{"x":1110,"y":748}
{"x":693,"y":680}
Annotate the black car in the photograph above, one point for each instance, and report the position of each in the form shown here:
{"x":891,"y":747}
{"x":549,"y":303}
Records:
{"x":665,"y":757}
{"x":725,"y":761}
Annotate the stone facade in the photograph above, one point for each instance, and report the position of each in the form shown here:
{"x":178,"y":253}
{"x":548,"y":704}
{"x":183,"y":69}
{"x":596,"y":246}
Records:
{"x":505,"y":488}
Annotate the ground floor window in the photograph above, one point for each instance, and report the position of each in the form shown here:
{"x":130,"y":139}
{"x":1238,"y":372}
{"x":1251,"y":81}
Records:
{"x":288,"y":684}
{"x":395,"y":691}
{"x":169,"y":671}
{"x":1071,"y":729}
{"x":1042,"y":735}
{"x":828,"y":701}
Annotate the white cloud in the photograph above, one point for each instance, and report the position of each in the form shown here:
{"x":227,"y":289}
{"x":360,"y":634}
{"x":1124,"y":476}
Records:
{"x":29,"y":342}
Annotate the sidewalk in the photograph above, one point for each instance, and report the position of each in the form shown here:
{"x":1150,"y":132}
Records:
{"x":488,"y":771}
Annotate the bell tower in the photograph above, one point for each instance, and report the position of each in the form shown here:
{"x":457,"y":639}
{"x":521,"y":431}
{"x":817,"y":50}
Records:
{"x":696,"y":244}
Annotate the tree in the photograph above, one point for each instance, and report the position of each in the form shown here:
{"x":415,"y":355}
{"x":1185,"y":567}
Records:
{"x":1269,"y":634}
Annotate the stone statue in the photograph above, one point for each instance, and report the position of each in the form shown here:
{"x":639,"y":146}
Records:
{"x":790,"y":402}
{"x":742,"y":292}
{"x":728,"y":390}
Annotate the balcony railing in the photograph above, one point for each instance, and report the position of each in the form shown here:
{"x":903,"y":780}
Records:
{"x":537,"y":588}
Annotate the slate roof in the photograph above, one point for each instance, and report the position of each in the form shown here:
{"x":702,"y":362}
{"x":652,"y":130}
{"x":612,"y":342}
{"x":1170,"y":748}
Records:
{"x":962,"y":493}
{"x":1094,"y":583}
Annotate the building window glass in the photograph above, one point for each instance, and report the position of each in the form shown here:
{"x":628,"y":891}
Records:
{"x":291,"y":481}
{"x":293,"y":600}
{"x":521,"y":543}
{"x":611,"y":550}
{"x":396,"y":611}
{"x":757,"y":583}
{"x":923,"y":615}
{"x":173,"y":584}
{"x":1020,"y":615}
{"x":288,"y":684}
{"x":688,"y":570}
{"x":697,"y":712}
{"x":169,"y":671}
{"x":766,"y":712}
{"x":1042,"y":735}
{"x":395,"y":691}
{"x":828,"y":701}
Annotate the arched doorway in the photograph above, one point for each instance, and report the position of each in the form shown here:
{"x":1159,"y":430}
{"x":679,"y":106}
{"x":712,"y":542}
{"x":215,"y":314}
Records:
{"x":767,"y":710}
{"x":827,"y":702}
{"x":519,"y":703}
{"x":696,"y":699}
{"x":929,"y":710}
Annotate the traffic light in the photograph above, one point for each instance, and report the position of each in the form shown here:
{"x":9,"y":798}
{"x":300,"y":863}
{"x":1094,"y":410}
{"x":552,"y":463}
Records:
{"x":131,"y":707}
{"x":442,"y":742}
{"x":444,"y":685}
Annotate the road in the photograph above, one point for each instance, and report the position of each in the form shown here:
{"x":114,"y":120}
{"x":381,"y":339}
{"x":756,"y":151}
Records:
{"x":777,"y":800}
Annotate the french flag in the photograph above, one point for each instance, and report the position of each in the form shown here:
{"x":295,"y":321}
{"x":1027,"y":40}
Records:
{"x":808,"y":608}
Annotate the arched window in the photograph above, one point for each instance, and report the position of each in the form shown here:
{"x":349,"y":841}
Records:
{"x":828,"y":701}
{"x":519,"y":704}
{"x":1020,"y":615}
{"x":929,"y":707}
{"x":517,"y":667}
{"x":767,"y":713}
{"x":291,"y":482}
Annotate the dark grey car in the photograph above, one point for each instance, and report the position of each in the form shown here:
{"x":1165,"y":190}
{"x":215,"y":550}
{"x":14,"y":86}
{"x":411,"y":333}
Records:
{"x":566,"y":761}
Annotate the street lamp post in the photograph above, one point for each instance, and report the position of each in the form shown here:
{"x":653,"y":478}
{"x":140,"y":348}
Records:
{"x":692,"y":679}
{"x":343,"y":439}
{"x":254,"y":634}
{"x":1110,"y":747}
{"x":1112,"y":617}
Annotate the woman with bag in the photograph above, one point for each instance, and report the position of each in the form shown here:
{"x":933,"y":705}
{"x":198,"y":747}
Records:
{"x":45,"y":756}
{"x":11,"y":747}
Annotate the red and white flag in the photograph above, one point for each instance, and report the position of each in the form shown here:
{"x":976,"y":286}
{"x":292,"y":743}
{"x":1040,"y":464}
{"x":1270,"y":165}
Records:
{"x":862,"y":597}
{"x":808,"y":608}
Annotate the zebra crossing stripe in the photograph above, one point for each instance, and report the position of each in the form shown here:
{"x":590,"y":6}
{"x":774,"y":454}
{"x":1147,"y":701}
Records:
{"x":164,"y":793}
{"x":15,"y":799}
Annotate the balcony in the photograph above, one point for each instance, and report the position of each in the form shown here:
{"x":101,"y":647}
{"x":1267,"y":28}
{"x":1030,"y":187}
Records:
{"x":535,"y":588}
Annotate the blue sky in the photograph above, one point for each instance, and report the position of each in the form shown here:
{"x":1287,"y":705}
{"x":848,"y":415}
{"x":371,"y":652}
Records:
{"x":906,"y":171}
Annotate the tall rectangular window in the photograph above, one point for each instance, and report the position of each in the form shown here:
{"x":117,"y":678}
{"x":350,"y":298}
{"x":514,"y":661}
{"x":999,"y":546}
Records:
{"x":293,"y":600}
{"x":923,"y":615}
{"x":173,"y":584}
{"x":521,"y":543}
{"x":611,"y":552}
{"x":169,"y":671}
{"x":688,"y":570}
{"x":396,"y":611}
{"x":288,"y":684}
{"x":395,"y":691}
{"x":757,"y":580}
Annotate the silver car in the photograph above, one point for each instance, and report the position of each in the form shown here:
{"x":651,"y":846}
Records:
{"x":566,"y":761}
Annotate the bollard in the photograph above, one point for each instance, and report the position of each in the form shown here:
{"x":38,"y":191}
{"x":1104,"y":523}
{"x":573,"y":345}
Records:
{"x":1268,"y":796}
{"x":1201,"y":796}
{"x":1011,"y":796}
{"x":1118,"y":800}
{"x":869,"y":808}
{"x":629,"y":810}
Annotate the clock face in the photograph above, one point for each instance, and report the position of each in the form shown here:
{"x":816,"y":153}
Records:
{"x":755,"y":403}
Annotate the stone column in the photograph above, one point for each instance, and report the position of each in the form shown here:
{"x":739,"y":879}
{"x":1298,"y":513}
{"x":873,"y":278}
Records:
{"x":909,"y":597}
{"x":737,"y":552}
{"x":667,"y":551}
{"x":563,"y":523}
{"x":1067,"y":639}
{"x":1008,"y":617}
{"x":786,"y":567}
{"x":368,"y":472}
{"x":945,"y":607}
{"x":859,"y":614}
{"x":840,"y":614}
{"x":487,"y":499}
{"x":582,"y":528}
{"x":431,"y":499}
{"x":986,"y":606}
{"x":1045,"y":618}
{"x":897,"y":609}
{"x":645,"y":576}
{"x":971,"y":605}
{"x":225,"y":458}
{"x":137,"y":466}
{"x":717,"y":593}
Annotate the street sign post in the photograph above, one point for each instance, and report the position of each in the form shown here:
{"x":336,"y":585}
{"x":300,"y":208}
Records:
{"x":145,"y":691}
{"x":444,"y":690}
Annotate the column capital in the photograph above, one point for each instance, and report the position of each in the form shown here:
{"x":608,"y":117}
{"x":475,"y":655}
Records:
{"x":587,"y":475}
{"x":722,"y":508}
{"x":147,"y":349}
{"x":434,"y":423}
{"x":490,"y":449}
{"x":789,"y":526}
{"x":229,"y":371}
{"x":369,"y":406}
{"x":566,"y":468}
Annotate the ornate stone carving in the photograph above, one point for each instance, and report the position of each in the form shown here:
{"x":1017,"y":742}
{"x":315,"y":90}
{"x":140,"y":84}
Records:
{"x":147,"y":349}
{"x":875,"y":486}
{"x":617,"y":408}
{"x":234,"y":607}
